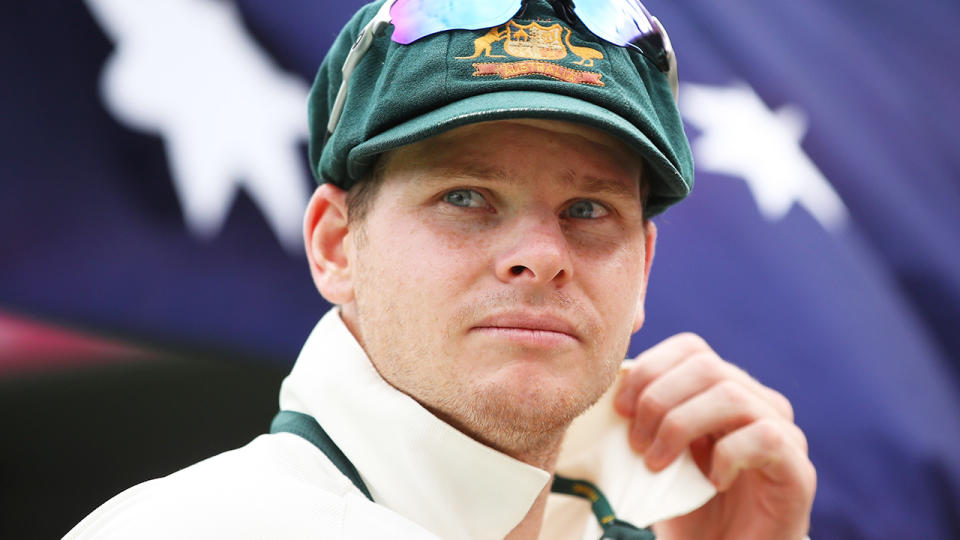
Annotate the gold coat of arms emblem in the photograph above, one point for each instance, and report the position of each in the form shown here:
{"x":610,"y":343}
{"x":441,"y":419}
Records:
{"x":533,"y":41}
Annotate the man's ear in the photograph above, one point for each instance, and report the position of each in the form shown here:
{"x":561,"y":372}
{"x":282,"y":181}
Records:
{"x":325,"y":239}
{"x":650,"y":233}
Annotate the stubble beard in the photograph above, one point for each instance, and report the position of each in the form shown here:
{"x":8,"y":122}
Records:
{"x":525,"y":422}
{"x":528,"y":424}
{"x":522,"y":418}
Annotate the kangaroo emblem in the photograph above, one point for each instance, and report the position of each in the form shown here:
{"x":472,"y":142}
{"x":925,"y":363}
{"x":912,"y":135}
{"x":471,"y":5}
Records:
{"x":483,"y":44}
{"x":586,"y":54}
{"x":542,"y":46}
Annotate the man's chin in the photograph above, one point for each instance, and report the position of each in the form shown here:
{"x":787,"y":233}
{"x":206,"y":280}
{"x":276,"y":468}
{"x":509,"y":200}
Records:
{"x":521,"y":406}
{"x":518,"y":409}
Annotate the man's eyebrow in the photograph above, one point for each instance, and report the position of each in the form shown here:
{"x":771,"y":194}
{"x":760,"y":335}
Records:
{"x":601,"y":186}
{"x":471,"y":170}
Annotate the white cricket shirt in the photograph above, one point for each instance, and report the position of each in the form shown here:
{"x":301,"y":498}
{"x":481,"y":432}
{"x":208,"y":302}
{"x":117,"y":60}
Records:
{"x":429,"y":480}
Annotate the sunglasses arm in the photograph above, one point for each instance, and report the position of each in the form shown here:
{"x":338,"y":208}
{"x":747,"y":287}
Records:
{"x":672,"y":76}
{"x":360,"y":48}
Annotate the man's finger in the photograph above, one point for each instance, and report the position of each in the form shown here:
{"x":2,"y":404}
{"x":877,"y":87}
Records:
{"x":653,"y":363}
{"x":722,"y":408}
{"x":690,"y":377}
{"x":695,"y":374}
{"x":657,"y":361}
{"x":765,"y":446}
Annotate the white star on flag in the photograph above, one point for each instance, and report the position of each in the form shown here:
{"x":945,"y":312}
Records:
{"x":741,"y":137}
{"x":230,"y":118}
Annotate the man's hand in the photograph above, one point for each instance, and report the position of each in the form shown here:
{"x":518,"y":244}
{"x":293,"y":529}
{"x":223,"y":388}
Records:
{"x":681,"y":394}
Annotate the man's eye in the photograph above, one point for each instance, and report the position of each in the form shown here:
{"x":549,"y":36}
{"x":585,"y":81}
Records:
{"x":586,"y":210}
{"x":465,"y":198}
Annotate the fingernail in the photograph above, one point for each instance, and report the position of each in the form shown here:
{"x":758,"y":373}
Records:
{"x":654,"y":455}
{"x":637,"y":438}
{"x":714,"y":479}
{"x":717,"y":480}
{"x":623,"y":403}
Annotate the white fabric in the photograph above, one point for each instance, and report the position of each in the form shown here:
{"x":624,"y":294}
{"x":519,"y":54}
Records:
{"x":595,"y":448}
{"x":429,"y":480}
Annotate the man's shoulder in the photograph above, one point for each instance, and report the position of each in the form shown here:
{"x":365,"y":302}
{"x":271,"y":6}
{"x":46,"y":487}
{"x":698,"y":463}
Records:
{"x":268,"y":462}
{"x":277,"y":486}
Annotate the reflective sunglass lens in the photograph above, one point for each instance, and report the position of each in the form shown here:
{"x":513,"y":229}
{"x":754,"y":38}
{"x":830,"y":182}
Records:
{"x":414,"y":19}
{"x":625,"y":23}
{"x":620,"y":22}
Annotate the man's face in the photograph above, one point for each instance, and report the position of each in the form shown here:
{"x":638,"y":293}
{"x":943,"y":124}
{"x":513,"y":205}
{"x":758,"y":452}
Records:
{"x":500,"y":272}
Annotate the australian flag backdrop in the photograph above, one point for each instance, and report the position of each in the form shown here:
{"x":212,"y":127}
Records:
{"x":154,"y":176}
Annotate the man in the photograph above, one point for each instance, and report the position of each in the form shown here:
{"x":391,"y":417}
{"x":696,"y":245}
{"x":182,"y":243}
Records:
{"x":488,"y":176}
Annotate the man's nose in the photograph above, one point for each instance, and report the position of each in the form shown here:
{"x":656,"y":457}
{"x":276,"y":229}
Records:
{"x":537,"y":252}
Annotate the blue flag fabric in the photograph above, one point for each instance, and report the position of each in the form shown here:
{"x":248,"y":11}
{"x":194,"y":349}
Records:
{"x":154,"y":176}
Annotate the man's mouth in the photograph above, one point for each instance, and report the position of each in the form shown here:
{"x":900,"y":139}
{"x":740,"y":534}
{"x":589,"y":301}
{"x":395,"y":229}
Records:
{"x":530,"y":329}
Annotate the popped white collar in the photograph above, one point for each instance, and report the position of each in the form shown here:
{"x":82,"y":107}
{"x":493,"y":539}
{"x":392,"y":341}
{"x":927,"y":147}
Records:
{"x":424,"y":469}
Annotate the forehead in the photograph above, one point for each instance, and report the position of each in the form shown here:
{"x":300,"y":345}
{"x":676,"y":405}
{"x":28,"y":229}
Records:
{"x":491,"y":147}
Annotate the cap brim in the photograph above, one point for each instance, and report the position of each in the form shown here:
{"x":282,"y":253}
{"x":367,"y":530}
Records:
{"x":667,"y":185}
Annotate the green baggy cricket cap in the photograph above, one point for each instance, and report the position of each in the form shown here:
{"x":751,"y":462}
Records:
{"x":536,"y":65}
